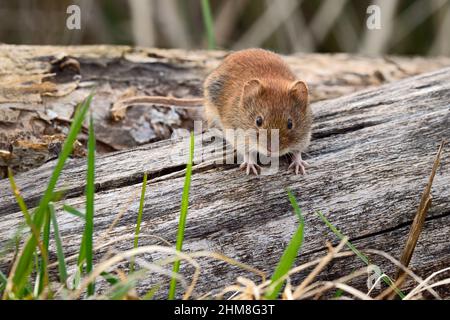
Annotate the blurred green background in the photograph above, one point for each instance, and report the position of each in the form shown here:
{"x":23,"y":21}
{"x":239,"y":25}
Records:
{"x":412,"y":27}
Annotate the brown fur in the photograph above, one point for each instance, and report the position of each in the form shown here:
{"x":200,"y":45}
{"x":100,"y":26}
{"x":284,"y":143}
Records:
{"x":248,"y":84}
{"x":256,"y":82}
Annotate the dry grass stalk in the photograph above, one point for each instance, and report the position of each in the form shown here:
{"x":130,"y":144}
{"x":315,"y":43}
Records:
{"x":319,"y":267}
{"x":417,"y":224}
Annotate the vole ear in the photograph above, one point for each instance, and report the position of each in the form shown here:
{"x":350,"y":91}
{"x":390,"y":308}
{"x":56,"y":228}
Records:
{"x":299,"y":90}
{"x":252,"y":87}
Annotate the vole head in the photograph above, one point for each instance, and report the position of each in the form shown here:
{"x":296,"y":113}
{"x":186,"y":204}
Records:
{"x":276,"y":104}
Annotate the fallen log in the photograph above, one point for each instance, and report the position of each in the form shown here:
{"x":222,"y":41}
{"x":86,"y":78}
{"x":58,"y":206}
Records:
{"x":371,"y":155}
{"x":41,"y":85}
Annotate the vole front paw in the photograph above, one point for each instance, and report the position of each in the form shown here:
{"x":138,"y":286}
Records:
{"x":250,"y":167}
{"x":298,"y":164}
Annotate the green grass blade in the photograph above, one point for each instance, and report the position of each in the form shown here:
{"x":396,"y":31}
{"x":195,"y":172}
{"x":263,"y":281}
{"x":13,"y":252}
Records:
{"x":19,"y":199}
{"x":36,"y":270}
{"x":74,"y":211}
{"x":339,"y":234}
{"x":338,"y":293}
{"x":24,"y":209}
{"x":139,"y":219}
{"x":58,"y":195}
{"x":295,"y":206}
{"x":90,"y":192}
{"x":77,"y":277}
{"x":110,"y":278}
{"x":121,"y":288}
{"x":82,"y":252}
{"x":42,"y":276}
{"x":43,"y":261}
{"x":23,"y":268}
{"x":289,"y":254}
{"x":150,"y":293}
{"x":183,"y":216}
{"x":62,"y":268}
{"x":3,"y":281}
{"x":363,"y":257}
{"x":209,"y":24}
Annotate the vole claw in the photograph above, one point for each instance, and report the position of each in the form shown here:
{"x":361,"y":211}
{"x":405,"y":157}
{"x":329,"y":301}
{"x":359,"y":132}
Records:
{"x":298,"y":164}
{"x":250,"y":168}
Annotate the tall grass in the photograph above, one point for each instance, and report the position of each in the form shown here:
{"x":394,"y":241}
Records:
{"x":29,"y":258}
{"x":90,"y":192}
{"x":209,"y":24}
{"x":3,"y":281}
{"x":183,"y":216}
{"x":62,"y":268}
{"x":42,"y":280}
{"x":358,"y":253}
{"x":23,"y":266}
{"x":290,"y":253}
{"x":74,"y":211}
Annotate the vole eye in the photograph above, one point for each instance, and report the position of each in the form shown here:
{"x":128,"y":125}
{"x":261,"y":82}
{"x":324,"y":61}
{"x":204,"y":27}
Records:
{"x":289,"y":124}
{"x":259,"y":121}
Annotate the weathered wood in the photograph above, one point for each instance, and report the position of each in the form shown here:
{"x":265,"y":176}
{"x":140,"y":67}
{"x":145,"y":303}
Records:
{"x":39,"y":85}
{"x":371,"y":156}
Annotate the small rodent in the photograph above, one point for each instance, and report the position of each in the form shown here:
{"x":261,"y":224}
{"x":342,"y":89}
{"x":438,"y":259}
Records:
{"x":252,"y":89}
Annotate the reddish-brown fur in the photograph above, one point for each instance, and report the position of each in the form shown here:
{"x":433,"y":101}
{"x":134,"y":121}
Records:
{"x":256,"y":82}
{"x":249,"y":84}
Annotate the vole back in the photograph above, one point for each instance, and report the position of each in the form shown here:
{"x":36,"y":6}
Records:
{"x":223,"y":87}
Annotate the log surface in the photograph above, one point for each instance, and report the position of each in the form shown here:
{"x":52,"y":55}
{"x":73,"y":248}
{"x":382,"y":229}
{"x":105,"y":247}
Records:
{"x":371,"y":155}
{"x":39,"y":84}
